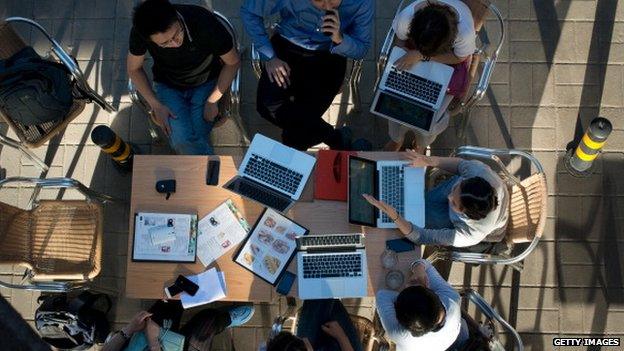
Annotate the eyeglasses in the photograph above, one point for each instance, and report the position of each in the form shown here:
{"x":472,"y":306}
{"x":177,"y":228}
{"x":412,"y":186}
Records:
{"x":178,"y":36}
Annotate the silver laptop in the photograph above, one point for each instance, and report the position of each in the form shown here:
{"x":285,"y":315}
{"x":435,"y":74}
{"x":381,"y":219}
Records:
{"x":272,"y":173}
{"x":393,"y":182}
{"x":331,"y":266}
{"x":413,"y":97}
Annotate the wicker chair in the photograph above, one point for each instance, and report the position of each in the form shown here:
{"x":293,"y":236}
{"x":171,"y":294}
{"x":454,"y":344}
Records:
{"x":229,"y":105}
{"x":58,"y":241}
{"x":527,"y":209}
{"x":371,"y":332}
{"x":37,"y":135}
{"x":479,"y":9}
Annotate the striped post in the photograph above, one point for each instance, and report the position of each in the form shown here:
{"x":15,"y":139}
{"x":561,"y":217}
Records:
{"x":579,"y":161}
{"x":121,"y":152}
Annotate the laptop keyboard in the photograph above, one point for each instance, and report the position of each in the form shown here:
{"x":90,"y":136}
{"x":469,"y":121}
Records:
{"x":413,"y":85}
{"x":392,"y":190}
{"x":332,"y":266}
{"x":270,"y":172}
{"x":329,"y":240}
{"x":266,"y":197}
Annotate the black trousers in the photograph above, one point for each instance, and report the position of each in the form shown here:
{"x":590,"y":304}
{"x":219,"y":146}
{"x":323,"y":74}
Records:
{"x":315,"y":79}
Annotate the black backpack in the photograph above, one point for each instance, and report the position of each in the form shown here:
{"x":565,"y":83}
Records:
{"x":73,"y":324}
{"x":33,"y":90}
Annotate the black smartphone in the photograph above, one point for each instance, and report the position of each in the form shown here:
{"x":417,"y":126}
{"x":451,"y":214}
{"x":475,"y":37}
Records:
{"x":400,"y":245}
{"x":212,"y":172}
{"x":286,"y":283}
{"x":186,"y":285}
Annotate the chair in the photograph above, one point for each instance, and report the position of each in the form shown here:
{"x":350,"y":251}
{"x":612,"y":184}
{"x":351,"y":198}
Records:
{"x":527,"y":209}
{"x":371,"y":332}
{"x":479,"y":9}
{"x":352,"y":79}
{"x":229,"y":105}
{"x":58,"y":241}
{"x":37,"y":135}
{"x":477,"y":333}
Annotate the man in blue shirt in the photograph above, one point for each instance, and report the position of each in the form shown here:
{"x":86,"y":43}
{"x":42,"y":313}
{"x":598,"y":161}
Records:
{"x":305,"y":62}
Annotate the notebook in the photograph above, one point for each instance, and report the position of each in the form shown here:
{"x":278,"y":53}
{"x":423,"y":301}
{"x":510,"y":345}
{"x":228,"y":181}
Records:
{"x":330,"y":178}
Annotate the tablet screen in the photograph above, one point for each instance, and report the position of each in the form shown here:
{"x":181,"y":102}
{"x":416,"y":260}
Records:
{"x":362,"y":180}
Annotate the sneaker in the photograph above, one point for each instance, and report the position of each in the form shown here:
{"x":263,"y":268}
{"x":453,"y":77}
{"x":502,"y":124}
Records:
{"x":240,"y":315}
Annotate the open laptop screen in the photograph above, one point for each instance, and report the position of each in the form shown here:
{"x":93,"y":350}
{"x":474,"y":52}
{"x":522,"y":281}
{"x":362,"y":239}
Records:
{"x":362,"y":180}
{"x":404,"y":110}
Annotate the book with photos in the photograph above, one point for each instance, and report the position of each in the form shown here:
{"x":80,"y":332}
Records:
{"x":164,"y":237}
{"x":270,"y":246}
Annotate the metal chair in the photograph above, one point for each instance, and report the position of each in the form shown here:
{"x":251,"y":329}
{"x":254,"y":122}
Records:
{"x":352,"y":79}
{"x":37,"y":135}
{"x":371,"y":332}
{"x":527,"y":208}
{"x":229,"y":105}
{"x":479,"y":334}
{"x":484,"y":55}
{"x":58,"y":241}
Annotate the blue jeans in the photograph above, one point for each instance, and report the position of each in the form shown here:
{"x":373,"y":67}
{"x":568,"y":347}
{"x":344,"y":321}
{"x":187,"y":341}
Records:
{"x":190,"y":132}
{"x":437,"y":205}
{"x":315,"y":313}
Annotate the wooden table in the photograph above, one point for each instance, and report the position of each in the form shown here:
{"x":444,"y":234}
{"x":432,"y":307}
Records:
{"x":147,"y":280}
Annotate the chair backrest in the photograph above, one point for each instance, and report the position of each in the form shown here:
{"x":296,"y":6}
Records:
{"x":527,"y":209}
{"x":14,"y":235}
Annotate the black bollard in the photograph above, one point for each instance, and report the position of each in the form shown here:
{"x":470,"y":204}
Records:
{"x":579,"y":161}
{"x":121,"y":152}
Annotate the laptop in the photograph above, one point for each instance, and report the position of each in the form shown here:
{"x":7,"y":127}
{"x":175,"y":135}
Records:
{"x":393,"y":182}
{"x":413,"y":97}
{"x":331,"y":266}
{"x":272,"y":174}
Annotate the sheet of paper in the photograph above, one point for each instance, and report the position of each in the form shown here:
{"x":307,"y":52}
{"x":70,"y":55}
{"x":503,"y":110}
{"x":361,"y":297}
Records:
{"x":220,"y":231}
{"x":211,"y":288}
{"x":181,"y":249}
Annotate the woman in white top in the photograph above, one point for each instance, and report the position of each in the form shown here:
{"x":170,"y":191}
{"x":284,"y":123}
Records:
{"x":438,"y":30}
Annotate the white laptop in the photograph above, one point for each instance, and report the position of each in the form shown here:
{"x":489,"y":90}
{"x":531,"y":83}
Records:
{"x":272,"y":173}
{"x":331,"y":266}
{"x":412,"y":97}
{"x":393,"y":182}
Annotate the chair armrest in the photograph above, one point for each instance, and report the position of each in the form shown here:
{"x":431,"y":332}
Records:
{"x":136,"y":97}
{"x":65,"y":183}
{"x":278,"y":322}
{"x":256,"y":64}
{"x":384,"y":53}
{"x":479,"y":258}
{"x":52,"y":287}
{"x":491,"y":313}
{"x":235,"y":94}
{"x":487,"y":153}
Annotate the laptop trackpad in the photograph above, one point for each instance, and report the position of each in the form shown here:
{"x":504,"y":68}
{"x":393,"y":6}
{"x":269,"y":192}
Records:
{"x":334,"y":287}
{"x":282,"y":154}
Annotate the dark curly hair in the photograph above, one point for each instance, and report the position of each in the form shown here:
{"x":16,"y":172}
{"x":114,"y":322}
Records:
{"x":418,"y":310}
{"x":433,"y":29}
{"x":285,"y":341}
{"x":478,"y":197}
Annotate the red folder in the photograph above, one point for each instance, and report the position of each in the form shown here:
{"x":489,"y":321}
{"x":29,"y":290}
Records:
{"x":330,"y":179}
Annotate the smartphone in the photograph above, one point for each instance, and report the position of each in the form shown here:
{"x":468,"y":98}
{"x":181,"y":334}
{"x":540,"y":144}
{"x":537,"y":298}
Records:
{"x":400,"y":245}
{"x":186,"y":285}
{"x":212,"y":172}
{"x":172,"y":291}
{"x":286,"y":283}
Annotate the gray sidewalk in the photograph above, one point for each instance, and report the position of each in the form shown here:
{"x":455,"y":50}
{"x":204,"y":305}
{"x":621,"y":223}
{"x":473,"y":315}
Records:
{"x":558,"y":55}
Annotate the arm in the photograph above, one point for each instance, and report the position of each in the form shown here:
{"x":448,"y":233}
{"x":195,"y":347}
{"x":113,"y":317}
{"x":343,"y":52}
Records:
{"x":231,"y":62}
{"x":252,"y":14}
{"x":136,"y":72}
{"x":438,"y":284}
{"x":457,"y":237}
{"x":119,"y":340}
{"x":356,"y":40}
{"x":387,"y":315}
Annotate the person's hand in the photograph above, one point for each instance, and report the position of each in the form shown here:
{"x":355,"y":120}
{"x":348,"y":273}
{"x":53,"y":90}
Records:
{"x":334,"y":329}
{"x":278,"y":72}
{"x":406,"y":61}
{"x":161,"y":115}
{"x":152,"y":332}
{"x":382,"y":206}
{"x":418,"y":160}
{"x":211,"y":110}
{"x":137,"y":323}
{"x":419,"y":275}
{"x":331,"y":24}
{"x":220,"y":120}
